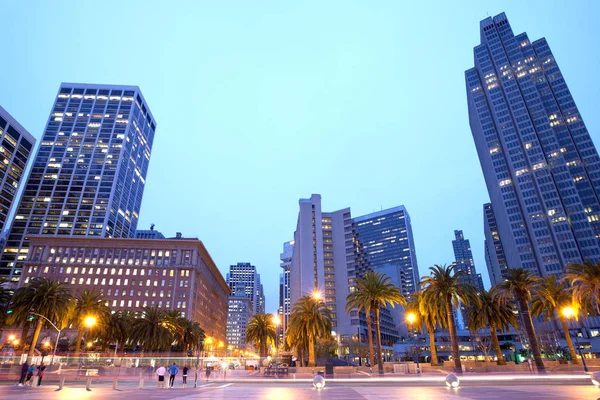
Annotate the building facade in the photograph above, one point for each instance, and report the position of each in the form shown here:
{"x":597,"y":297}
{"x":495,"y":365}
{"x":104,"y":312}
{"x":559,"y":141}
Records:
{"x":16,"y":145}
{"x":149,"y":234}
{"x":245,"y":275}
{"x":494,"y":252}
{"x":540,"y":166}
{"x":464,"y":260}
{"x":89,"y":173}
{"x":239,"y":313}
{"x":134,"y":273}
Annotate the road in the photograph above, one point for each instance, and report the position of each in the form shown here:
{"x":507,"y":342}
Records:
{"x":304,"y":391}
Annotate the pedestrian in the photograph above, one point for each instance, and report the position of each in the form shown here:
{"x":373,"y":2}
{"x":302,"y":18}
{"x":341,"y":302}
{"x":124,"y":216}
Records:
{"x":41,"y":368}
{"x":185,"y":373}
{"x":160,"y":372}
{"x":173,"y":370}
{"x":30,"y":372}
{"x":208,"y":372}
{"x":24,"y":369}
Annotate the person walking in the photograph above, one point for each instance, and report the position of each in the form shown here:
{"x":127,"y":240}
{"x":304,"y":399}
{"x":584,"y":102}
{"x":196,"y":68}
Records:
{"x":160,"y":372}
{"x":41,"y":368}
{"x":208,"y":372}
{"x":30,"y":372}
{"x":173,"y":370}
{"x":185,"y":374}
{"x":24,"y":369}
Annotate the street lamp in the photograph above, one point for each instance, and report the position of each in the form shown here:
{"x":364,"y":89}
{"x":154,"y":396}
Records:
{"x":208,"y":341}
{"x":570,"y":312}
{"x":57,"y":336}
{"x":411,"y":318}
{"x":276,"y":321}
{"x":89,"y":321}
{"x":316,"y":295}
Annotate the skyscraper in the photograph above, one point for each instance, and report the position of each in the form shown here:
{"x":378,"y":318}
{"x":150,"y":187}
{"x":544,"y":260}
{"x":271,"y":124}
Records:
{"x":494,"y":252}
{"x":89,"y":173}
{"x":284,"y":298}
{"x":244,"y":275}
{"x":540,"y":166}
{"x":15,"y":147}
{"x":464,"y":260}
{"x":239,"y":313}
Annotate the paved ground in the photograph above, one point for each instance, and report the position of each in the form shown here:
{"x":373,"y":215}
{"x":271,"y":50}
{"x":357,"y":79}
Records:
{"x":303,"y":391}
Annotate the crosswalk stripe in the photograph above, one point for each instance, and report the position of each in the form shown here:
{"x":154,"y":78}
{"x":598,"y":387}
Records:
{"x":224,"y":386}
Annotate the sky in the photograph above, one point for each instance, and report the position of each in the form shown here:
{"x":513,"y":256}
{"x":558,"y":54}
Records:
{"x":259,"y":104}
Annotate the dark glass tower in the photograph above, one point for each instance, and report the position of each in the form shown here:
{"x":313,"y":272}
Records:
{"x":540,"y":166}
{"x":89,"y":173}
{"x":464,"y":260}
{"x":494,"y":252}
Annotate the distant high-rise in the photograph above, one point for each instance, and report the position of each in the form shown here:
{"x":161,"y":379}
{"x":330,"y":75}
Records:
{"x":238,"y":315}
{"x":149,"y":233}
{"x":89,"y":173}
{"x":245,"y":275}
{"x":284,"y":296}
{"x":15,"y":147}
{"x":494,"y":253}
{"x":464,"y":260}
{"x":540,"y":166}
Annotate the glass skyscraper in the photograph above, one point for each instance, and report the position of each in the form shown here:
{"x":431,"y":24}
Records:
{"x":464,"y":260}
{"x":494,"y":252}
{"x":540,"y":166}
{"x":89,"y":173}
{"x":244,"y":275}
{"x":16,"y":145}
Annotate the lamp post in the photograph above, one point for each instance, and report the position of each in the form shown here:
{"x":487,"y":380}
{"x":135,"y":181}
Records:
{"x":569,"y":312}
{"x":89,"y":321}
{"x":57,"y":336}
{"x":276,"y":321}
{"x":411,"y":318}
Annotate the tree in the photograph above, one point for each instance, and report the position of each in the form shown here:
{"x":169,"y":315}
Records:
{"x":88,"y":303}
{"x":261,"y":331}
{"x":432,"y":314}
{"x":550,"y":298}
{"x":585,"y":279}
{"x":117,"y":329}
{"x":190,"y":335}
{"x":46,"y":297}
{"x":360,"y":301}
{"x":519,"y":282}
{"x":493,"y":313}
{"x":378,"y":290}
{"x":444,"y":285}
{"x":310,"y":318}
{"x":150,"y":331}
{"x":5,"y":297}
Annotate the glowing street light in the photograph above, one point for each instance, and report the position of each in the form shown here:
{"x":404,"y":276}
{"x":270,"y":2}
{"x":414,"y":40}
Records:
{"x":11,"y":338}
{"x":569,"y":312}
{"x":316,"y":295}
{"x":89,"y":321}
{"x":89,"y":344}
{"x":411,"y":317}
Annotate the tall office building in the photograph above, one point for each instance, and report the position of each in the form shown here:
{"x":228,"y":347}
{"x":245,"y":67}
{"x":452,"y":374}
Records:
{"x":494,"y":252}
{"x":239,"y":313}
{"x":15,"y":147}
{"x":464,"y":260}
{"x":323,"y":261}
{"x":284,"y":296}
{"x":540,"y":166}
{"x":245,"y":275}
{"x":89,"y":173}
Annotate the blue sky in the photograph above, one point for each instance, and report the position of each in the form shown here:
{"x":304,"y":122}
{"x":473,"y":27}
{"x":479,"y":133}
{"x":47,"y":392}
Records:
{"x":261,"y":103}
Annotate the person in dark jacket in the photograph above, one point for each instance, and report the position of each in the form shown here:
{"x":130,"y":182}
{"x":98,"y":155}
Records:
{"x":41,"y":368}
{"x":24,"y":369}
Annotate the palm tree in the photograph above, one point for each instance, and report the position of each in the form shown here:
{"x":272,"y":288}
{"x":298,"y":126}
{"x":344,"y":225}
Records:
{"x":5,"y":297}
{"x":492,"y":313}
{"x":361,"y":302}
{"x":150,"y":331}
{"x":191,"y":334}
{"x":117,"y":329}
{"x":432,"y":315}
{"x":444,"y":285}
{"x":549,"y":299}
{"x":379,"y":291}
{"x":88,"y":303}
{"x":46,"y":297}
{"x":310,"y":318}
{"x":519,"y":282}
{"x":585,"y":279}
{"x":295,"y":339}
{"x":261,"y":330}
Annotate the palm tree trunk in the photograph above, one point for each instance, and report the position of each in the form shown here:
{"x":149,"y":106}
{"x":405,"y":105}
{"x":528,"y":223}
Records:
{"x":496,"y":345}
{"x":78,"y":341}
{"x":378,"y":337}
{"x":432,"y":349}
{"x":529,"y":328}
{"x":311,"y":352}
{"x":453,"y":338}
{"x":565,"y":327}
{"x":36,"y":335}
{"x":24,"y":332}
{"x":370,"y":333}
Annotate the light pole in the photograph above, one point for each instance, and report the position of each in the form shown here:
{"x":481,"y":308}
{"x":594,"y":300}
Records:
{"x":411,"y":318}
{"x":57,"y":336}
{"x":569,"y":312}
{"x":276,"y":321}
{"x":89,"y":321}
